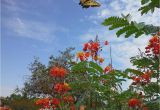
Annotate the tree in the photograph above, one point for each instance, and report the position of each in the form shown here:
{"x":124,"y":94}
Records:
{"x":40,"y":83}
{"x":146,"y":76}
{"x":18,"y":102}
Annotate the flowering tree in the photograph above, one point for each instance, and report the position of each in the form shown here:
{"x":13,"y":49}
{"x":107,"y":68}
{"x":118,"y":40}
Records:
{"x":146,"y":77}
{"x":40,"y":83}
{"x":85,"y":84}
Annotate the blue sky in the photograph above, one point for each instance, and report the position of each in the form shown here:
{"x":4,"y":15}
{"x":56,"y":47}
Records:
{"x":43,"y":27}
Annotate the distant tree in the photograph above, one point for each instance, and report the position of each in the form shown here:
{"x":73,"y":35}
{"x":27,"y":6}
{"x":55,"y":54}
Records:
{"x":40,"y":83}
{"x":18,"y":102}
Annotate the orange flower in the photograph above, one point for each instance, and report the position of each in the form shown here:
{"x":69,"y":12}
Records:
{"x":54,"y":71}
{"x":95,"y":46}
{"x":87,"y":54}
{"x":95,"y":58}
{"x":86,"y":45}
{"x":101,"y":60}
{"x":81,"y":56}
{"x":137,"y":80}
{"x":43,"y":102}
{"x":66,"y":87}
{"x":62,"y":72}
{"x":107,"y":69}
{"x":134,"y":102}
{"x":62,"y":88}
{"x":56,"y":101}
{"x":58,"y":87}
{"x":154,"y":45}
{"x":58,"y":72}
{"x":147,"y":76}
{"x":72,"y":107}
{"x":68,"y":99}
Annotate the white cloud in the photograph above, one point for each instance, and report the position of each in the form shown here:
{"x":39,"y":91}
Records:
{"x":32,"y":29}
{"x":21,"y":26}
{"x":117,"y":7}
{"x":122,"y":48}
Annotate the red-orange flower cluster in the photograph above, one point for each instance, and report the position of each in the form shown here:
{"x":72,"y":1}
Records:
{"x":68,"y":99}
{"x":91,"y":49}
{"x":154,"y":45}
{"x":43,"y":102}
{"x":83,"y":55}
{"x":55,"y":101}
{"x":62,"y":88}
{"x":91,"y":46}
{"x":143,"y":79}
{"x":48,"y":103}
{"x":134,"y":102}
{"x":58,"y":72}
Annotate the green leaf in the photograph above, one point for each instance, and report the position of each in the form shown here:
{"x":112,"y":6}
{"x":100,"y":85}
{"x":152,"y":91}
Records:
{"x":96,"y":66}
{"x":149,"y":5}
{"x":136,"y":72}
{"x":127,"y":28}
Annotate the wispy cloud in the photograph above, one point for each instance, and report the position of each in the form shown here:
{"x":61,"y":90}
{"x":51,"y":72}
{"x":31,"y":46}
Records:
{"x":33,"y":29}
{"x":122,"y":48}
{"x":117,"y":7}
{"x":23,"y":26}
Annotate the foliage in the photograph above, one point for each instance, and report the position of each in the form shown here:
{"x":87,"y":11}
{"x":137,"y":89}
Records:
{"x":149,"y":5}
{"x":85,"y":84}
{"x":129,"y":28}
{"x":18,"y":102}
{"x":40,"y":83}
{"x":146,"y":76}
{"x":93,"y":87}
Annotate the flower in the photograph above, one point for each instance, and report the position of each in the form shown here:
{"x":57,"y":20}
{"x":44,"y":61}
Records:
{"x":154,"y":45}
{"x":107,"y":69}
{"x":134,"y":102}
{"x":146,"y":77}
{"x":137,"y":80}
{"x":58,"y":72}
{"x":101,"y":60}
{"x":66,"y":87}
{"x":62,"y":88}
{"x":54,"y":71}
{"x":86,"y":45}
{"x":43,"y":102}
{"x":68,"y":99}
{"x":95,"y":58}
{"x":81,"y":56}
{"x":72,"y":107}
{"x":106,"y":43}
{"x":56,"y":101}
{"x":62,"y":72}
{"x":58,"y":87}
{"x":94,"y":46}
{"x":87,"y":54}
